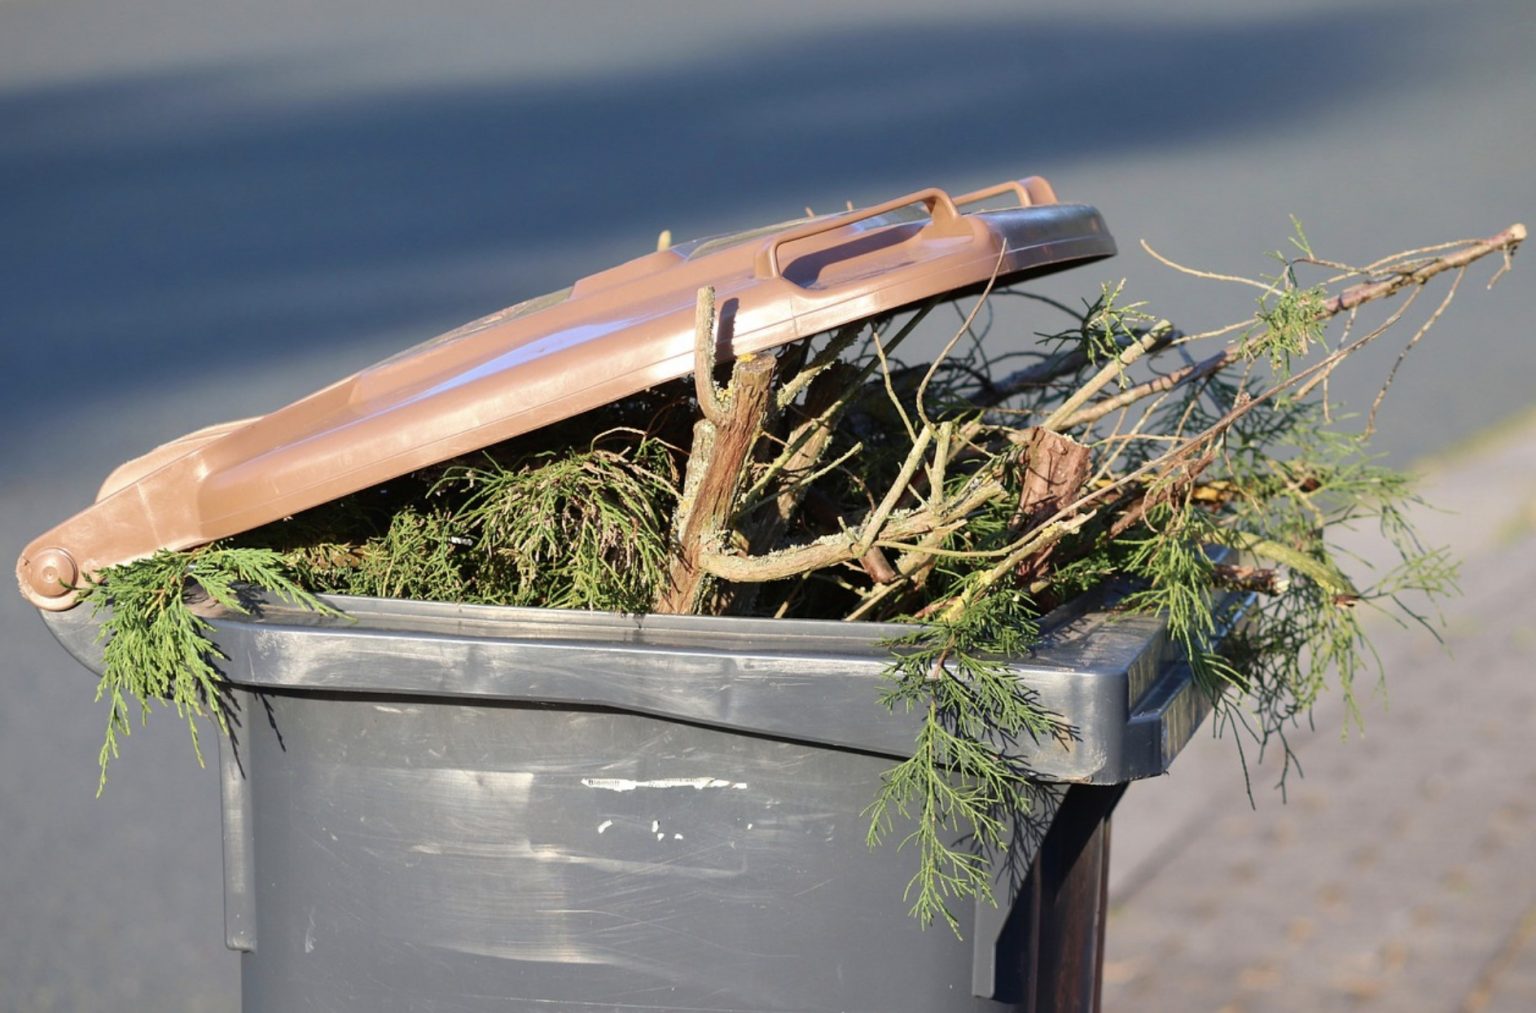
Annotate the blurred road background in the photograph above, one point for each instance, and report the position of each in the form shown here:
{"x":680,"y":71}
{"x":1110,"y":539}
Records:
{"x":209,"y":208}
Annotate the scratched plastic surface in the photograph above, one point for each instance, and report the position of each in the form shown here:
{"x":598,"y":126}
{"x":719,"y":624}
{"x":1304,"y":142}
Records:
{"x":438,"y":856}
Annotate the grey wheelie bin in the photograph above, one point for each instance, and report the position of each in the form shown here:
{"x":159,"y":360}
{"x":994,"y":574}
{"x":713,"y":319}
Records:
{"x":467,"y":808}
{"x":439,"y":807}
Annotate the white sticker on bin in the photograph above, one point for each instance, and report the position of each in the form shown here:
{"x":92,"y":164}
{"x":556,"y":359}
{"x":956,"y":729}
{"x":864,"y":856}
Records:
{"x":697,"y":783}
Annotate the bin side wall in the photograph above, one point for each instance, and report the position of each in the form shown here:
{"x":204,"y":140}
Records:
{"x":430,"y":855}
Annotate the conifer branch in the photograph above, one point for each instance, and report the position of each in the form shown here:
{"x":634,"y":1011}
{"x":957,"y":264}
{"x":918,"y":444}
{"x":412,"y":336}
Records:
{"x":991,"y":517}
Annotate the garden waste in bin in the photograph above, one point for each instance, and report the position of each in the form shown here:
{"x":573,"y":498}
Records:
{"x":456,"y":807}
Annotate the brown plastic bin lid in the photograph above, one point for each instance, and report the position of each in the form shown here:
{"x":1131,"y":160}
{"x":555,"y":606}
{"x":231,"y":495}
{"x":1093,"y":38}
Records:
{"x":610,"y":335}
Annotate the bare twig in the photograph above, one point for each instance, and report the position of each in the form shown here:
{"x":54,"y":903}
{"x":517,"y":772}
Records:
{"x":886,"y":525}
{"x":1072,"y":413}
{"x":1158,"y":335}
{"x":1197,"y":273}
{"x":1157,"y":385}
{"x":705,"y":339}
{"x":1040,"y":539}
{"x":877,"y":517}
{"x":1381,"y":395}
{"x":823,"y":360}
{"x":961,"y":331}
{"x":1505,"y":242}
{"x":1066,"y":363}
{"x":890,"y":389}
{"x":842,"y":546}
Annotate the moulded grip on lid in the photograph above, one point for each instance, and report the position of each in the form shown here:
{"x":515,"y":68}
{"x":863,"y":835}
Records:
{"x":1028,"y":192}
{"x":944,"y":219}
{"x":609,"y":336}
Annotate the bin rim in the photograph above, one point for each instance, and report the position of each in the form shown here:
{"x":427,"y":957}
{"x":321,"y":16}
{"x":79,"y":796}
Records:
{"x":1112,"y":675}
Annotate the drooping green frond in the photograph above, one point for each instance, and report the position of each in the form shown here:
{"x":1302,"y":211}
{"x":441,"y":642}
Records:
{"x":157,"y":647}
{"x":959,"y":794}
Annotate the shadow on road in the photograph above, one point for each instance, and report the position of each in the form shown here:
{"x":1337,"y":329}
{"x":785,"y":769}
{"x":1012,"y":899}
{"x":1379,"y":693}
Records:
{"x":166,"y":227}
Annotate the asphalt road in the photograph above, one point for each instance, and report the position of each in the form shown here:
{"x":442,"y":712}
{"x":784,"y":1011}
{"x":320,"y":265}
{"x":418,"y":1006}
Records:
{"x":209,"y":208}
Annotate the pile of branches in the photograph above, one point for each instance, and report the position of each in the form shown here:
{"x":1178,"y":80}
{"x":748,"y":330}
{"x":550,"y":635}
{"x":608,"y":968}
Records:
{"x":969,"y":494}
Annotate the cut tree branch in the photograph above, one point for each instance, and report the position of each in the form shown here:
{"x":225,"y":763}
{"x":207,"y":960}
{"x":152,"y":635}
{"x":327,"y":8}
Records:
{"x":1073,"y":413}
{"x":1055,"y":468}
{"x":843,"y":546}
{"x":722,"y":445}
{"x":1506,"y":242}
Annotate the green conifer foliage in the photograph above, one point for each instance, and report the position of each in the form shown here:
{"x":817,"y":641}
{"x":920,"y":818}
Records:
{"x":968,"y":496}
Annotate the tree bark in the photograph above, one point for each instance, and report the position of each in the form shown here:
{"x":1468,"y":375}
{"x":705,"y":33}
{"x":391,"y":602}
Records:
{"x":716,"y":464}
{"x":1055,"y":468}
